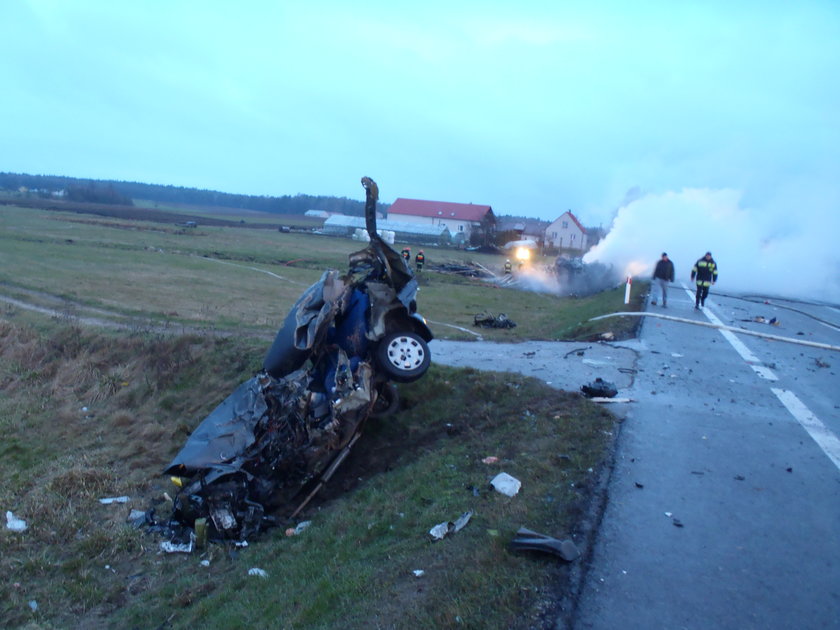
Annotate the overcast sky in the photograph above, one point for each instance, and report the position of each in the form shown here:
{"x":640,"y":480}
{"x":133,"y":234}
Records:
{"x":530,"y":107}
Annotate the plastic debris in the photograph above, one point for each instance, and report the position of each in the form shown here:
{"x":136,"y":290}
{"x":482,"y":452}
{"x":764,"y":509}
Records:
{"x":258,"y":572}
{"x":492,"y":459}
{"x":506,"y":484}
{"x":419,"y":572}
{"x":205,"y":563}
{"x":171,"y":547}
{"x":534,"y":541}
{"x":110,"y":500}
{"x":33,"y":605}
{"x":441,"y":530}
{"x":14,"y":523}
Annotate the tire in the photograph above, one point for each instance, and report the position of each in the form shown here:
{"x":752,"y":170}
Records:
{"x":403,"y":356}
{"x":387,"y":401}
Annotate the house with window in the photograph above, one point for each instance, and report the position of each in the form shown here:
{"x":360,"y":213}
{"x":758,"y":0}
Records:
{"x":462,"y":219}
{"x":567,"y":233}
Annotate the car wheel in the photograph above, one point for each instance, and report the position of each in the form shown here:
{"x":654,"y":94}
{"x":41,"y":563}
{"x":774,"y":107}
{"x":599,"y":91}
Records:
{"x":387,"y":401}
{"x":403,"y":356}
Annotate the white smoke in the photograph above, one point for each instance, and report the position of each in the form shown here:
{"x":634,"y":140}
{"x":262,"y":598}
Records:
{"x":779,"y":251}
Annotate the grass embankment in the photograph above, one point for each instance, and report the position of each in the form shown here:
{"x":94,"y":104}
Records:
{"x":87,"y":415}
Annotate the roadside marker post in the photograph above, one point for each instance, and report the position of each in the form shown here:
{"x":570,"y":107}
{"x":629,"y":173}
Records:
{"x":627,"y":290}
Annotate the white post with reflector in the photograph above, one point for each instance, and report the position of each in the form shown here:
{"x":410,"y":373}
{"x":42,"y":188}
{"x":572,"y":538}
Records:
{"x":627,"y":290}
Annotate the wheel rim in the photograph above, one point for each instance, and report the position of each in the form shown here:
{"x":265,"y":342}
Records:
{"x":405,"y":353}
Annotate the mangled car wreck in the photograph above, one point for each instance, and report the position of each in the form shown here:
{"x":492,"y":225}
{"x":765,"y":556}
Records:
{"x":273,"y":443}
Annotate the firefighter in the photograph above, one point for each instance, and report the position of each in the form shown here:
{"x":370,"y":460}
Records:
{"x":508,"y":267}
{"x":419,"y":259}
{"x":406,"y":254}
{"x":706,"y":273}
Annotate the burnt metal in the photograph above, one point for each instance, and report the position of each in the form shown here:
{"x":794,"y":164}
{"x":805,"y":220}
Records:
{"x":599,"y":388}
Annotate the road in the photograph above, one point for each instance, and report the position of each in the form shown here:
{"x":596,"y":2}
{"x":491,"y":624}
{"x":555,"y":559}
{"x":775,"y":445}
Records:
{"x":723,"y":505}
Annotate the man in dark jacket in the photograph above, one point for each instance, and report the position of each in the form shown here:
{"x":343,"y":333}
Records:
{"x":662,"y":276}
{"x":706,"y":273}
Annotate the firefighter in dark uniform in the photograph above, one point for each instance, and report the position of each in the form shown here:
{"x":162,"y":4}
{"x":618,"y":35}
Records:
{"x":406,"y":254}
{"x":508,"y":267}
{"x":705,"y":272}
{"x":419,"y":259}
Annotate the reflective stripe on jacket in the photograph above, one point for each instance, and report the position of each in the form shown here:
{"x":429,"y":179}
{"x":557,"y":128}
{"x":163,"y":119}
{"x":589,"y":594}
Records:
{"x":705,"y":271}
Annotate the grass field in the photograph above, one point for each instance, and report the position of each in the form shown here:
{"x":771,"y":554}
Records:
{"x":88,"y":413}
{"x":231,"y":278}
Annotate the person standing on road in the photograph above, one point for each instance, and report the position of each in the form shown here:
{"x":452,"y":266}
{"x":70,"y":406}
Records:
{"x":706,"y":272}
{"x":419,"y":259}
{"x":662,"y":275}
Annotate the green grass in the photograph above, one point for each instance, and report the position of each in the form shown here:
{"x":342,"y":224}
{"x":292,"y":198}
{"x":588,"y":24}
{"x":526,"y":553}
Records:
{"x":353,"y":567}
{"x":246,"y":280}
{"x":87,"y":413}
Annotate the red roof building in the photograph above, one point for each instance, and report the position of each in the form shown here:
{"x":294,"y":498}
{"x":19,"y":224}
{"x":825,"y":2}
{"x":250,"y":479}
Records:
{"x":460,"y":218}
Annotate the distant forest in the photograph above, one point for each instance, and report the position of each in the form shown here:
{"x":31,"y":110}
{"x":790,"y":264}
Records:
{"x":122,"y":193}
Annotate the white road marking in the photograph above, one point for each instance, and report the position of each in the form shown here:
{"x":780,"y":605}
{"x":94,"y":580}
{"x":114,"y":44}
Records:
{"x":821,"y":434}
{"x":752,"y":360}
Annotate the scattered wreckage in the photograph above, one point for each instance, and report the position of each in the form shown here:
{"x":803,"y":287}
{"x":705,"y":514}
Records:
{"x":580,"y":279}
{"x":486,"y":319}
{"x":276,"y":440}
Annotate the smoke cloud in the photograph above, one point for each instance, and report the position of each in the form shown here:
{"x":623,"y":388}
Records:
{"x":788,"y":248}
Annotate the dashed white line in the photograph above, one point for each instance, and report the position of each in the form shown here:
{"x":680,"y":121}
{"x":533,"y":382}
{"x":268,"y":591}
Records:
{"x":821,"y":434}
{"x":746,"y":354}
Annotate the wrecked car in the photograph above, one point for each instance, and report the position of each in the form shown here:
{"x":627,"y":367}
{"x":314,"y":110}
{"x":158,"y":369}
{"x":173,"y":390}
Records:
{"x":581,"y":279}
{"x":273,"y":443}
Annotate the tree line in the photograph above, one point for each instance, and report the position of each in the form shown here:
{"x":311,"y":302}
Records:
{"x":122,"y":193}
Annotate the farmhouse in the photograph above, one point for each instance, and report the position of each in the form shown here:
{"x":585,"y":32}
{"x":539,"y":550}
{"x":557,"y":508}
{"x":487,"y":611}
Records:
{"x":567,"y":233}
{"x":462,"y":219}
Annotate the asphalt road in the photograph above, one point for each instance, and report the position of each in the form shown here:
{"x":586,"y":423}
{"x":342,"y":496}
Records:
{"x":723,"y":506}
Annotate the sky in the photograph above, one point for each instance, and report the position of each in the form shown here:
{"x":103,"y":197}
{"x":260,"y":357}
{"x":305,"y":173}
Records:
{"x":618,"y":111}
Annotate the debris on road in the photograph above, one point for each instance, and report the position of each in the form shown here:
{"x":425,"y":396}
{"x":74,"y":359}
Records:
{"x":527,"y":539}
{"x":760,"y":319}
{"x":506,"y":484}
{"x":599,"y":388}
